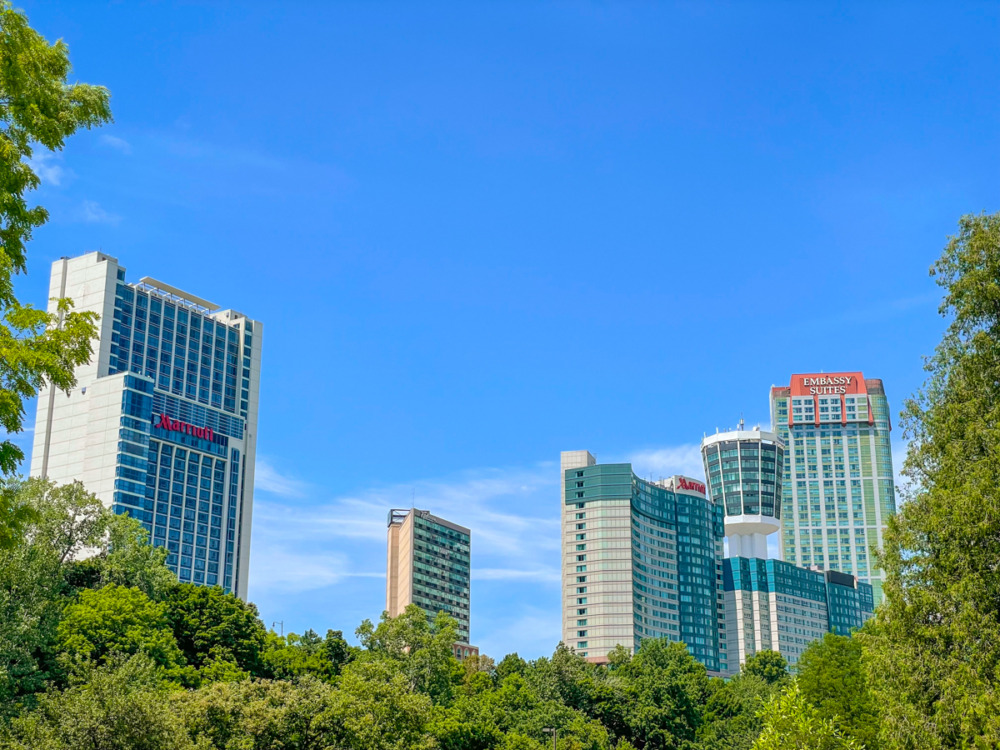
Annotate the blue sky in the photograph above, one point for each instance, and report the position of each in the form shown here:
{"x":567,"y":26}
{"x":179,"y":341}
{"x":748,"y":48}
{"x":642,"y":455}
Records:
{"x":478,"y":236}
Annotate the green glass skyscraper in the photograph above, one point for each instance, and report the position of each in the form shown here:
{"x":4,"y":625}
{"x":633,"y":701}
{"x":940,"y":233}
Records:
{"x":838,"y":488}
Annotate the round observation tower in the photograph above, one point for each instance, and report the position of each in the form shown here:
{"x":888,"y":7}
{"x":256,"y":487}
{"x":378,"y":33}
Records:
{"x":744,"y":470}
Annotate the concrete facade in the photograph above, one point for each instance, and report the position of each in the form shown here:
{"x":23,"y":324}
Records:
{"x":428,"y":564}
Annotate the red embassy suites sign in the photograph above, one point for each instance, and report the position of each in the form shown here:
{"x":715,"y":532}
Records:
{"x":176,"y":425}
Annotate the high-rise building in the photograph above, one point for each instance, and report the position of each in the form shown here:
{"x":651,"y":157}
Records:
{"x":772,"y":605}
{"x":640,"y":560}
{"x":162,"y":424}
{"x":429,"y":565}
{"x":838,"y":488}
{"x":744,"y":470}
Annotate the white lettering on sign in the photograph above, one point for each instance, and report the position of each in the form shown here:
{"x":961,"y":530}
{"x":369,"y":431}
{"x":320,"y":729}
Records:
{"x":825,"y":386}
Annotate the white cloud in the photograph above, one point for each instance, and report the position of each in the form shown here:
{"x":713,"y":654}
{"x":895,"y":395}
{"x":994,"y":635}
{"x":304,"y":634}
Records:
{"x":532,"y":633}
{"x":45,"y":165}
{"x":659,"y":463}
{"x":117,"y":143}
{"x":513,"y":515}
{"x":267,"y":479}
{"x":288,"y":570}
{"x":542,"y":575}
{"x":92,"y":213}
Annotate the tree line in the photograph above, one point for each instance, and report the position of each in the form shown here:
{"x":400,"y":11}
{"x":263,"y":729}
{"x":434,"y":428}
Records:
{"x":110,"y":650}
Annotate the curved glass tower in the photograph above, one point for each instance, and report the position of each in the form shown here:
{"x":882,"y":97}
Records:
{"x":641,"y":560}
{"x":744,"y":470}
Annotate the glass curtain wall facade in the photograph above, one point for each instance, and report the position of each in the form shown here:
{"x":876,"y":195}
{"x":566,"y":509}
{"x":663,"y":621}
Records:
{"x":744,"y":470}
{"x":640,"y":560}
{"x":772,"y":605}
{"x":429,"y":565}
{"x":187,"y":377}
{"x":839,"y":482}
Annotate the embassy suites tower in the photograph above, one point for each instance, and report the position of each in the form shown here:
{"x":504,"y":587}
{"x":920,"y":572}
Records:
{"x":838,"y":487}
{"x":162,"y":423}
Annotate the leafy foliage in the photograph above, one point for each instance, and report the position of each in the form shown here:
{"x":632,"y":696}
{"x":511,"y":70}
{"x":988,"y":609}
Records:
{"x":770,"y":666}
{"x":38,"y":107}
{"x":122,"y":705}
{"x":932,"y":653}
{"x":790,"y":722}
{"x":832,"y":679}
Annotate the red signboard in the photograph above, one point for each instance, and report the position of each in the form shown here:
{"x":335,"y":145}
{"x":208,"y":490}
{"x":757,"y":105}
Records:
{"x":828,"y":384}
{"x":175,"y":425}
{"x":689,"y":484}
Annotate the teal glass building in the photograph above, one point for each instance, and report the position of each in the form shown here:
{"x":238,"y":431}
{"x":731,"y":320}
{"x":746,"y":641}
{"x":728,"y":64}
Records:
{"x":641,"y":560}
{"x":772,"y":605}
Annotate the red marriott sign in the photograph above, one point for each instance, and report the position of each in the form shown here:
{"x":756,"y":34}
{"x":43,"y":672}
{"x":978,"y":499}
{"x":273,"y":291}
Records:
{"x":690,"y":484}
{"x":175,"y":425}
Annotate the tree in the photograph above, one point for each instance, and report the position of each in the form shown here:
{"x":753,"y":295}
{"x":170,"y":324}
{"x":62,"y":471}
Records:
{"x":38,"y":107}
{"x":34,"y":587}
{"x":933,"y":649}
{"x":258,"y":715}
{"x":424,"y":649}
{"x":664,"y":688}
{"x":375,"y":708}
{"x":790,"y":723}
{"x":732,"y":715}
{"x":114,"y":621}
{"x":122,"y":705}
{"x":770,"y":666}
{"x":211,"y":626}
{"x":832,"y":679}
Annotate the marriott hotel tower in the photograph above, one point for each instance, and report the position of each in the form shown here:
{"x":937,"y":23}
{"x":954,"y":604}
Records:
{"x":838,"y":485}
{"x":162,"y":423}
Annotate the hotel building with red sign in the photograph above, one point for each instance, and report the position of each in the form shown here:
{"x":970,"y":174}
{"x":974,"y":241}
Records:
{"x":640,"y":560}
{"x":838,"y":486}
{"x":162,"y":423}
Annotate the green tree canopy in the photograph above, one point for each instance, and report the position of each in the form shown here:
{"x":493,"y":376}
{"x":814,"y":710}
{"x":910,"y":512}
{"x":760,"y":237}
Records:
{"x":932,"y":653}
{"x":38,"y":107}
{"x":791,"y":723}
{"x":123,"y":705}
{"x":832,"y":679}
{"x":115,"y":621}
{"x":770,"y":666}
{"x":211,"y":625}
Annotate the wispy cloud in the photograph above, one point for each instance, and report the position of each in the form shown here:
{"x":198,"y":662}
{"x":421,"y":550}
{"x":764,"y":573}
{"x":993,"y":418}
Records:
{"x":46,"y":165}
{"x":92,"y":213}
{"x":507,"y":544}
{"x":546,"y":575}
{"x":120,"y":144}
{"x":269,"y":479}
{"x":664,"y":462}
{"x":529,"y":631}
